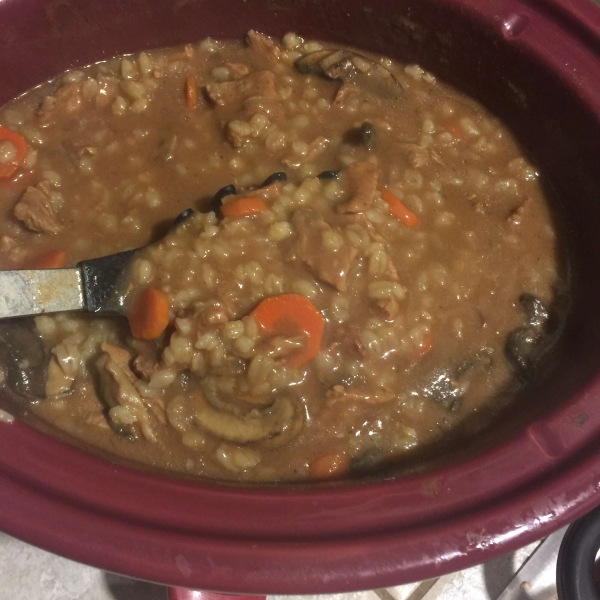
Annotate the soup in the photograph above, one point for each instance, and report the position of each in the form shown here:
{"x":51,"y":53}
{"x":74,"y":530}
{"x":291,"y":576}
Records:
{"x":369,"y":265}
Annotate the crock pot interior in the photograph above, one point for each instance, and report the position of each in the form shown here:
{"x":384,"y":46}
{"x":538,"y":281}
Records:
{"x":555,"y":129}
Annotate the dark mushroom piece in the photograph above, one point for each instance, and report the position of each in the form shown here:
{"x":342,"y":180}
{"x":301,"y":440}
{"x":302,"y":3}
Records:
{"x":23,"y":359}
{"x":328,"y":175}
{"x":345,"y":65}
{"x":444,"y":390}
{"x":338,"y":65}
{"x":534,"y":310}
{"x":256,"y":425}
{"x":125,"y":432}
{"x":236,"y":418}
{"x":447,"y":387}
{"x":310,"y":64}
{"x":213,"y":206}
{"x":275,"y":177}
{"x":367,"y":462}
{"x":181,"y":217}
{"x":525,"y":345}
{"x":521,"y":349}
{"x":217,"y":200}
{"x":362,"y":136}
{"x":481,"y":359}
{"x":367,"y":135}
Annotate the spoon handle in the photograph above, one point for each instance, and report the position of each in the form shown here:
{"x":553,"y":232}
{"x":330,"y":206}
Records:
{"x":93,"y":285}
{"x":32,"y":292}
{"x":103,"y":282}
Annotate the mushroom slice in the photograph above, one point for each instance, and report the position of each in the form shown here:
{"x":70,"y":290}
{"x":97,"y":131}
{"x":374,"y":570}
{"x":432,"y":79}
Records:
{"x":117,"y":390}
{"x":58,"y":381}
{"x":345,"y":65}
{"x":289,"y":433}
{"x":255,"y":426}
{"x":525,"y":345}
{"x":534,"y":309}
{"x":311,"y":64}
{"x":23,"y":359}
{"x":522,"y":349}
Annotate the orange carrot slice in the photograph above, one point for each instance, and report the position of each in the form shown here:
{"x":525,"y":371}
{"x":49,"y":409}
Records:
{"x":191,"y":92}
{"x":149,"y":316}
{"x":243,"y":207}
{"x":399,"y":210}
{"x":329,"y":466}
{"x":55,"y":259}
{"x":292,"y":314}
{"x":424,"y":347}
{"x":456,"y":130}
{"x":20,"y":145}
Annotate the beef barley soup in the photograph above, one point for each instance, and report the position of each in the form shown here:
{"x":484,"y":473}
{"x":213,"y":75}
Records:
{"x":370,"y":261}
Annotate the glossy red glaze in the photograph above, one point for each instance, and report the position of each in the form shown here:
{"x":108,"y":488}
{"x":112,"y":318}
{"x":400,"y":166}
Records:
{"x":536,"y":64}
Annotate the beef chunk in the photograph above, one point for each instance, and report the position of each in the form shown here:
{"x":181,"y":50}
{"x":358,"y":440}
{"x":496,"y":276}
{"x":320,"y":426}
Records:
{"x":347,"y":341}
{"x":362,"y":180}
{"x":66,"y":100}
{"x":237,"y":70}
{"x":233,"y":94}
{"x":262,"y":47}
{"x":36,"y":211}
{"x":120,"y":356}
{"x":361,"y":219}
{"x":243,"y":98}
{"x":145,"y":365}
{"x":329,"y":265}
{"x":389,"y":306}
{"x":118,"y":391}
{"x":416,"y":155}
{"x":58,"y":382}
{"x":344,"y":93}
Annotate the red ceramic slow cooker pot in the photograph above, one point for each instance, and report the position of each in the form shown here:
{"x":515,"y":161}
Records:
{"x":536,"y":65}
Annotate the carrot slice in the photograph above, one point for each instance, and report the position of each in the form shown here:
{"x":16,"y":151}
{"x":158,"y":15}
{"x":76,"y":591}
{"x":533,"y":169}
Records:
{"x":329,"y":466}
{"x":243,"y":207}
{"x":18,"y":141}
{"x":399,"y":210}
{"x":149,"y":315}
{"x":191,"y":92}
{"x":456,"y":130}
{"x":55,"y":259}
{"x":424,"y":347}
{"x":292,"y":314}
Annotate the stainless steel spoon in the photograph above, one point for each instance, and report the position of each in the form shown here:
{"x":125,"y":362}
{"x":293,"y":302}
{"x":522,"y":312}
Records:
{"x":95,"y":285}
{"x":92,"y":285}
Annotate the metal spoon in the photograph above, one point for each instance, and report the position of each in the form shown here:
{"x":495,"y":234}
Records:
{"x":96,"y":285}
{"x":91,"y":285}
